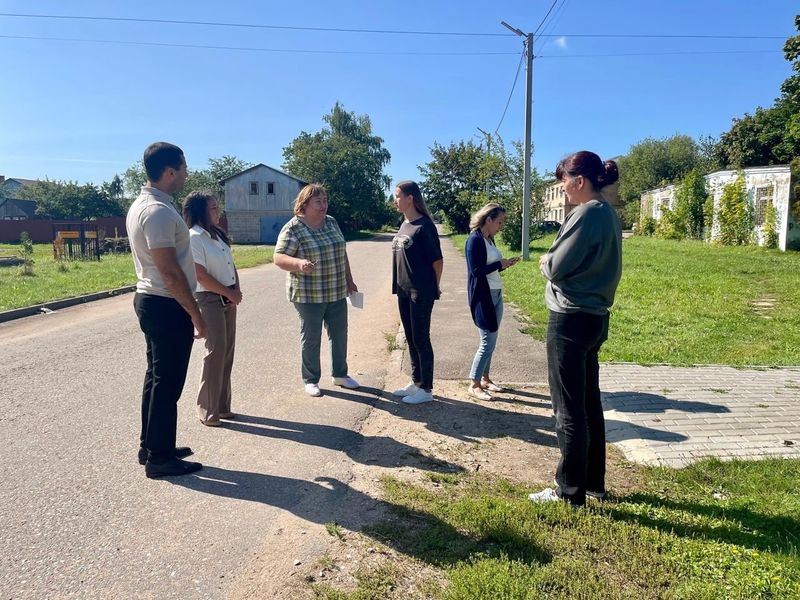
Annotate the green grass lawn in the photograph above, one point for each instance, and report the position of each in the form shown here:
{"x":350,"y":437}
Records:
{"x":687,"y":303}
{"x":712,"y":530}
{"x":84,"y":277}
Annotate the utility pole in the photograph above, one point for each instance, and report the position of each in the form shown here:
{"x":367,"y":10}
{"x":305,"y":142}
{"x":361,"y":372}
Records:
{"x":526,"y":185}
{"x":488,"y":155}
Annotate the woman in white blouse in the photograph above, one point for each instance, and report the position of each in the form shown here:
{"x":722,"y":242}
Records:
{"x":217,"y":294}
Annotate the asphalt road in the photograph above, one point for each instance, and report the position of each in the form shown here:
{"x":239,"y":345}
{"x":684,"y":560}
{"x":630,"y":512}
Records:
{"x":78,"y":517}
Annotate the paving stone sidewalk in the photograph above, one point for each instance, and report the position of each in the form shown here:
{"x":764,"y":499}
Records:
{"x":673,"y":416}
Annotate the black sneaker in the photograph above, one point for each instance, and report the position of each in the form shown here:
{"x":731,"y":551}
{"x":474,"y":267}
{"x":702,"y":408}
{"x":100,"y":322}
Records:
{"x":180,"y":452}
{"x":172,"y":467}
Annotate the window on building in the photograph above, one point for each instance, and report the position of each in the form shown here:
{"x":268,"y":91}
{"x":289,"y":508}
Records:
{"x":764,"y":197}
{"x":254,"y":188}
{"x":270,"y":187}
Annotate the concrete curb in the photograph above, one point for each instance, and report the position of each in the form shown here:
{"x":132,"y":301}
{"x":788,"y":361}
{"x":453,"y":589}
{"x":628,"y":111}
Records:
{"x":19,"y":313}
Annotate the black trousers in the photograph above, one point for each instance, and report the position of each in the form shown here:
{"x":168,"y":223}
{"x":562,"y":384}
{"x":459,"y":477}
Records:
{"x":169,"y":334}
{"x":415,"y":314}
{"x":573,"y":341}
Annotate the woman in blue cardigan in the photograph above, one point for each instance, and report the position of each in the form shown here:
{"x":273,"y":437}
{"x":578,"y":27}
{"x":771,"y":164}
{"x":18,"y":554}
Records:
{"x":485,"y":291}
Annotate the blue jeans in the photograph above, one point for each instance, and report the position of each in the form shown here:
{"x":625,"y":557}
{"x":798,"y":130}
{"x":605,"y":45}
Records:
{"x":483,"y":357}
{"x":312,"y":317}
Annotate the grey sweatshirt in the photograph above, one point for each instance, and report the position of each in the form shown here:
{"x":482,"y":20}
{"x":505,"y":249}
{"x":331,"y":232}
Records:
{"x":584,"y":264}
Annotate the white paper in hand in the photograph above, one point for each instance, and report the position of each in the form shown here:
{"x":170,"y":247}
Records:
{"x":356,"y":299}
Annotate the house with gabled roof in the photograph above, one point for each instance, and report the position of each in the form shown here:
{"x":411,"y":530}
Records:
{"x":12,"y":207}
{"x":258,"y":202}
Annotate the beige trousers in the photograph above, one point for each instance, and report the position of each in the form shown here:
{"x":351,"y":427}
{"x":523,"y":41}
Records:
{"x":214,"y":397}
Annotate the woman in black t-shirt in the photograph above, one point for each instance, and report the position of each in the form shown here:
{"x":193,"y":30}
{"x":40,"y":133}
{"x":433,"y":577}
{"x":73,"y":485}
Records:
{"x":416,"y":272}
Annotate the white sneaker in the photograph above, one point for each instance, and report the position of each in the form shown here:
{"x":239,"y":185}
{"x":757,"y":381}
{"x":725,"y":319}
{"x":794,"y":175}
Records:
{"x":546,"y":495}
{"x":312,"y":389}
{"x":407,"y":390}
{"x":346,"y":382}
{"x":418,"y":397}
{"x":599,"y":496}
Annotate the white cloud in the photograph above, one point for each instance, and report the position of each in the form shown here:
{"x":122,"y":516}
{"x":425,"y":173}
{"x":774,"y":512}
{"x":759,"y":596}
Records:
{"x":561,"y":42}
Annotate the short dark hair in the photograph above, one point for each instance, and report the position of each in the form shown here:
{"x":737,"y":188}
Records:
{"x":159,"y":157}
{"x":588,"y":165}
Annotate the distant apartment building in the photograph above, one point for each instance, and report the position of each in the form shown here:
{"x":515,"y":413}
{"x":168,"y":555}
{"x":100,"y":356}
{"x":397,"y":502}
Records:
{"x":556,"y":206}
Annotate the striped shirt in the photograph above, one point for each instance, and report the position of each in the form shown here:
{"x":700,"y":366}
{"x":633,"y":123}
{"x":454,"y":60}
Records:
{"x":324,"y":247}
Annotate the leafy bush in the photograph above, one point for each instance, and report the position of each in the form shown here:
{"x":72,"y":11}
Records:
{"x":647,"y":227}
{"x":671,"y":226}
{"x":26,"y":253}
{"x":735,"y":215}
{"x":690,"y":198}
{"x":770,"y":226}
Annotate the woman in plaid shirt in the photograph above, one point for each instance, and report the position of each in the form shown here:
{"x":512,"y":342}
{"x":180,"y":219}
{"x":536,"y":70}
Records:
{"x":312,"y":249}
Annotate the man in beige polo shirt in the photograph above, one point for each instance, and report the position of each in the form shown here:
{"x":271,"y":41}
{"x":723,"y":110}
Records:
{"x":168,"y":313}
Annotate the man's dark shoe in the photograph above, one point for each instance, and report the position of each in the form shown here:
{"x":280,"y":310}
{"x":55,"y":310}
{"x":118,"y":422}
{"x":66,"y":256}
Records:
{"x":180,"y":452}
{"x":171,"y":468}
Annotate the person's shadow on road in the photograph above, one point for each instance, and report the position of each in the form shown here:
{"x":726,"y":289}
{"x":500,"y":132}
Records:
{"x":327,"y":500}
{"x":388,"y":452}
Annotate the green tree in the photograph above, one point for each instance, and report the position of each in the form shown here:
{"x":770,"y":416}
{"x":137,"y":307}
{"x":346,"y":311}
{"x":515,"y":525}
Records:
{"x":735,"y":215}
{"x":770,"y":135}
{"x":70,"y":200}
{"x":654,"y":163}
{"x":770,"y":226}
{"x":511,"y":194}
{"x":115,"y":190}
{"x":690,"y":197}
{"x":348,"y":159}
{"x":26,"y":253}
{"x":453,"y":179}
{"x":207,"y":179}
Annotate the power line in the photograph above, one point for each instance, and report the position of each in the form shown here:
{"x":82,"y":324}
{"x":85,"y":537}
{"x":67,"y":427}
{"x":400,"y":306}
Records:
{"x":678,"y":53}
{"x":251,"y":49}
{"x":253,"y":25}
{"x":383,"y":31}
{"x":548,"y":28}
{"x":513,"y":85}
{"x":667,"y":36}
{"x":535,"y":31}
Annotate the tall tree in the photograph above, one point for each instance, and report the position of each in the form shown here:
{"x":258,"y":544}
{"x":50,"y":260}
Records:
{"x":653,"y":163}
{"x":207,"y":179}
{"x":115,"y":190}
{"x":70,"y":200}
{"x":453,"y":179}
{"x":348,"y":159}
{"x":770,"y":135}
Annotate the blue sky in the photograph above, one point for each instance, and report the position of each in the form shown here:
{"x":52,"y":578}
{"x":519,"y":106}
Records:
{"x":85,"y":111}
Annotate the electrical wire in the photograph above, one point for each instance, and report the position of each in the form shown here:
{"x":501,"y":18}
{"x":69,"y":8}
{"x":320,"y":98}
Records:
{"x":678,"y":53}
{"x":254,"y":25}
{"x":552,"y":6}
{"x":251,"y":49}
{"x":543,"y":37}
{"x":513,"y":85}
{"x":379,"y":31}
